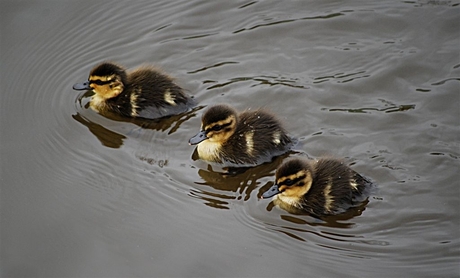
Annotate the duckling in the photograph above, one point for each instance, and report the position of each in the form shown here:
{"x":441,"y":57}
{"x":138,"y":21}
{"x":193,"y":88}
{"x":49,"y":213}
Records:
{"x":240,"y":140}
{"x":325,"y":187}
{"x":144,"y":93}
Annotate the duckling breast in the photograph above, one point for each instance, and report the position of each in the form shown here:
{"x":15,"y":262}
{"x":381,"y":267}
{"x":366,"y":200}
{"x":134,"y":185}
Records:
{"x":210,"y":151}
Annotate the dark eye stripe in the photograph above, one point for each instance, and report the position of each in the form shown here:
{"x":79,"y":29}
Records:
{"x":218,"y":127}
{"x":294,"y":181}
{"x":100,"y":82}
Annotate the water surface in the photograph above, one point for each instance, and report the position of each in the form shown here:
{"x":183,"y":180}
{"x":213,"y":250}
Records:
{"x":374,"y":82}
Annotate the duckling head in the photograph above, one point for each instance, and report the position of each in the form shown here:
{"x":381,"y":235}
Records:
{"x":217,"y":125}
{"x":107,"y":80}
{"x":293,"y":180}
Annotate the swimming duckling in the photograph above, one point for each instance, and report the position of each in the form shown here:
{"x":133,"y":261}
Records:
{"x":144,"y":93}
{"x":240,"y":140}
{"x":325,"y":187}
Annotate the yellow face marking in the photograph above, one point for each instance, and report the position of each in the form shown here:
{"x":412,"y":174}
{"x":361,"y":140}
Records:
{"x":328,"y":198}
{"x":222,"y":135}
{"x":293,"y":176}
{"x":276,"y":137}
{"x":169,"y":98}
{"x":101,"y":78}
{"x":105,"y":91}
{"x":249,"y":142}
{"x":294,"y":193}
{"x":223,"y":122}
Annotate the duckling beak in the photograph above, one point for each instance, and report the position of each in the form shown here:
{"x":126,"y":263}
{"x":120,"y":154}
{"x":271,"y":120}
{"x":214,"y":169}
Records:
{"x":199,"y":137}
{"x":271,"y":192}
{"x":82,"y":86}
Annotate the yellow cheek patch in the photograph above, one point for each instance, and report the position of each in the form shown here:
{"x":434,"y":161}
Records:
{"x":296,"y":191}
{"x":219,"y":137}
{"x":283,"y":187}
{"x":106,"y":92}
{"x":293,"y":191}
{"x":223,"y":134}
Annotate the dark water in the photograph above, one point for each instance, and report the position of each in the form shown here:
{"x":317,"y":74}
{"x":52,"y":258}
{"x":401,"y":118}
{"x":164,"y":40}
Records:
{"x":376,"y":82}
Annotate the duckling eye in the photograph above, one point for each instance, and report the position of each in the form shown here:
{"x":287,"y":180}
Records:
{"x":216,"y":128}
{"x":288,"y":182}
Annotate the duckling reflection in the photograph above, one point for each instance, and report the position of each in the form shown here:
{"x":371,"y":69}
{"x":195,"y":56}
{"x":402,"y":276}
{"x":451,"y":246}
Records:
{"x":113,"y":139}
{"x":240,"y":140}
{"x":334,"y":221}
{"x":241,"y":182}
{"x":143,"y":93}
{"x":324,"y":187}
{"x":299,"y":226}
{"x":107,"y":137}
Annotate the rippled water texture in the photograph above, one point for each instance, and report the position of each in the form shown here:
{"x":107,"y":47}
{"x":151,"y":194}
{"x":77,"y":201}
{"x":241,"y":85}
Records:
{"x":375,"y":82}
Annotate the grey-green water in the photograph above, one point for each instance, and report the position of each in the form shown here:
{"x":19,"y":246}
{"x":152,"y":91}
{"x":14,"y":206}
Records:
{"x":376,"y":82}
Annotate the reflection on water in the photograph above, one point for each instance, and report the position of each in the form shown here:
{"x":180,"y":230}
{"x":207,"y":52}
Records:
{"x":335,"y":221}
{"x":301,"y":226}
{"x":242,"y":181}
{"x":112,"y":139}
{"x":107,"y":137}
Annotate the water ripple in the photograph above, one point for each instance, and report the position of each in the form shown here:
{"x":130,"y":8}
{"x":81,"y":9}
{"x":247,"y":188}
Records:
{"x":390,"y":107}
{"x":258,"y":81}
{"x":280,"y":22}
{"x":212,"y":66}
{"x":131,"y":191}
